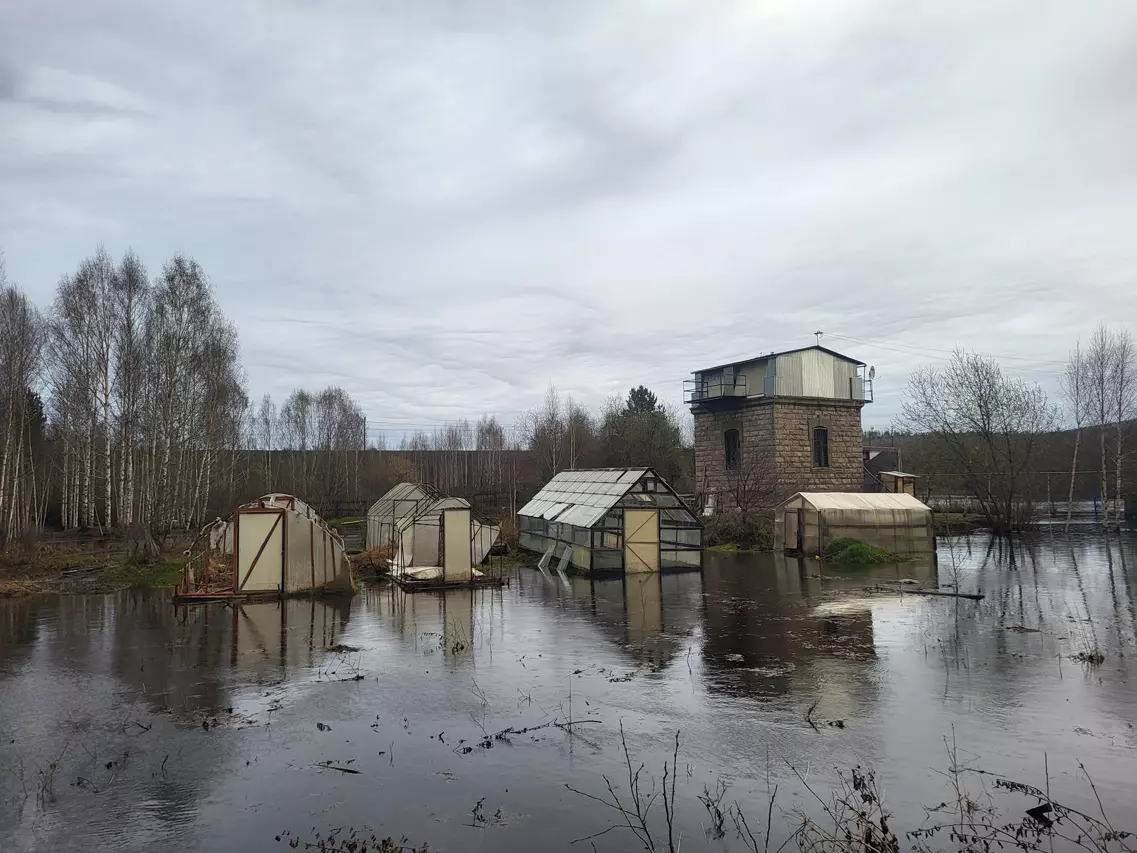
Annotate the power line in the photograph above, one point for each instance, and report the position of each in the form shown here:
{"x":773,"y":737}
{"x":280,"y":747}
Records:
{"x":926,"y":352}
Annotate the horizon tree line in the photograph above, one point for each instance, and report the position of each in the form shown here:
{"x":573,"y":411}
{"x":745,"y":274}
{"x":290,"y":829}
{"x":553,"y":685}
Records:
{"x":124,"y":405}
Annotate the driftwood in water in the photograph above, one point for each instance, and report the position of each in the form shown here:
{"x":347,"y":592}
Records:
{"x":968,"y":595}
{"x":902,"y":586}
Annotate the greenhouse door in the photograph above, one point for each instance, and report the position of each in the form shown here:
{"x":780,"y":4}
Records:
{"x":793,"y":531}
{"x":641,"y":540}
{"x":260,"y":551}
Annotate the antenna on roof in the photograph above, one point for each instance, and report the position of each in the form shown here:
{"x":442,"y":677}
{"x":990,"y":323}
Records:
{"x":819,"y":333}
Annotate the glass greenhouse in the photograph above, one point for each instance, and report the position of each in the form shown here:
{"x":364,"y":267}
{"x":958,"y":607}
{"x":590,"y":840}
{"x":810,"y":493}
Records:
{"x":612,"y":519}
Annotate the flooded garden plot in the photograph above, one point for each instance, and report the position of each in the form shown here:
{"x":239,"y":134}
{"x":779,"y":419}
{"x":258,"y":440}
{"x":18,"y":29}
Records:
{"x":492,"y":718}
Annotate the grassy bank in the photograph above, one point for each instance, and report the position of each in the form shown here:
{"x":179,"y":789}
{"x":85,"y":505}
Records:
{"x":83,"y":566}
{"x":735,"y":548}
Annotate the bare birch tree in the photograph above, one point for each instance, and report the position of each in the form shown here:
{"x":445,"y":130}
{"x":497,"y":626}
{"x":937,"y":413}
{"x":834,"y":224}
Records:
{"x":989,"y":425}
{"x":1074,"y":389}
{"x":130,"y":302}
{"x":1123,"y":381}
{"x":21,"y":344}
{"x":1099,"y":366}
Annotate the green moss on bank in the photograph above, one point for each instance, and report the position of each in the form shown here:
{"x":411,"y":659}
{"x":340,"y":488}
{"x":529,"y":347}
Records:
{"x":166,"y":572}
{"x":853,"y":552}
{"x":734,"y":548}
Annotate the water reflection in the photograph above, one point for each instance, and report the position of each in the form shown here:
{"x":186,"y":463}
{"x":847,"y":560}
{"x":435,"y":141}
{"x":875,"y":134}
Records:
{"x":770,"y":617}
{"x":733,"y":656}
{"x":648,"y":616}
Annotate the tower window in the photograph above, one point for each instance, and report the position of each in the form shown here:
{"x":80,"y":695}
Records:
{"x":732,"y":448}
{"x":820,"y":447}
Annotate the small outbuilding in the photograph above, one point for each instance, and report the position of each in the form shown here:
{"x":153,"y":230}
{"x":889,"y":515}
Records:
{"x":612,"y":519}
{"x":809,"y":521}
{"x":898,"y":483}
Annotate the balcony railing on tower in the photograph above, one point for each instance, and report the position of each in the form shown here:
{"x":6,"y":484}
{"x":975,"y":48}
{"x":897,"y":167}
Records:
{"x":714,"y":388}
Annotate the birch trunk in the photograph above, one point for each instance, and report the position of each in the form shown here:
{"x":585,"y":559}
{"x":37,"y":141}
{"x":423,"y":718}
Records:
{"x":7,"y":449}
{"x":108,"y":476}
{"x":1073,"y":474}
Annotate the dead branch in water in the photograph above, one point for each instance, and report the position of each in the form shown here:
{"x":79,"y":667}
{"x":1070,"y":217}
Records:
{"x":635,"y":813}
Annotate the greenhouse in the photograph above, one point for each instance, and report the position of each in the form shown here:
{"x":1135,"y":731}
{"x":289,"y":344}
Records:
{"x":432,"y":537}
{"x":612,"y":519}
{"x":809,"y":521}
{"x":401,"y":501}
{"x":276,"y":544}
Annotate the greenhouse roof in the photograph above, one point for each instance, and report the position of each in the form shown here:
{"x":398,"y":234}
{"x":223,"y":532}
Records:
{"x":866,"y":501}
{"x":400,"y":493}
{"x":582,"y":498}
{"x":430,"y":512}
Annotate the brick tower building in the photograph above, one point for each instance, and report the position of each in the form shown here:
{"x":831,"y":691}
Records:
{"x":777,"y":424}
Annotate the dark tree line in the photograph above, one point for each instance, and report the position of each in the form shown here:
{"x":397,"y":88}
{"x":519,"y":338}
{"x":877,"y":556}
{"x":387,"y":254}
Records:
{"x":124,"y":404}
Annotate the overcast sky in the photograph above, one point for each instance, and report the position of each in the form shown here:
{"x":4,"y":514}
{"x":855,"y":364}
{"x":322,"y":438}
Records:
{"x":445,"y":206}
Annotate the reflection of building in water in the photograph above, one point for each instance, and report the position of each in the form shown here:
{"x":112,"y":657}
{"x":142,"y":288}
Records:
{"x":773,"y":623}
{"x":287,"y":633}
{"x":76,"y":670}
{"x":648,"y":615}
{"x":447,"y":620}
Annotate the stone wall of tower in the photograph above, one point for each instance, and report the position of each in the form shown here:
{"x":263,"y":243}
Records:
{"x":776,"y":437}
{"x":794,"y":422}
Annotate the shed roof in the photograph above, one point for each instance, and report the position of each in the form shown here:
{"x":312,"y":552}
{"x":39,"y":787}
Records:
{"x":582,"y":498}
{"x":769,"y":355}
{"x":867,"y":501}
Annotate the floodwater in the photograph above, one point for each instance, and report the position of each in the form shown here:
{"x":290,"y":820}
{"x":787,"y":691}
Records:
{"x":211,"y":728}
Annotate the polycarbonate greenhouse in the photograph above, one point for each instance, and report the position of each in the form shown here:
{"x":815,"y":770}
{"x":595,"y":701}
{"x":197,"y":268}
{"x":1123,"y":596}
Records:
{"x":809,"y":521}
{"x":401,"y":501}
{"x":612,"y":519}
{"x":421,"y":526}
{"x":275,"y":544}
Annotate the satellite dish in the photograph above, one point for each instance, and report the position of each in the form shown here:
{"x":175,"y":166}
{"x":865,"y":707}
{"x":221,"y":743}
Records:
{"x":872,"y":372}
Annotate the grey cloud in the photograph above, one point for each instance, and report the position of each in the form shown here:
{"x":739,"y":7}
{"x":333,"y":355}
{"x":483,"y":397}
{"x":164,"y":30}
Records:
{"x":443,"y":207}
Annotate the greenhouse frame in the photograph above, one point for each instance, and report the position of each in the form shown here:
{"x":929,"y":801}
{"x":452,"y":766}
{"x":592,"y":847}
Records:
{"x":418,"y":522}
{"x":612,"y":519}
{"x":809,"y":521}
{"x":400,"y":501}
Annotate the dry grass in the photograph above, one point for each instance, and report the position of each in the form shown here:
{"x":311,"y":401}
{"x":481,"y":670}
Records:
{"x":372,"y":561}
{"x":19,"y":588}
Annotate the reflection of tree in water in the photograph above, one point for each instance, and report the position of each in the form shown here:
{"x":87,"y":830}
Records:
{"x":131,"y":660}
{"x":1071,"y":588}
